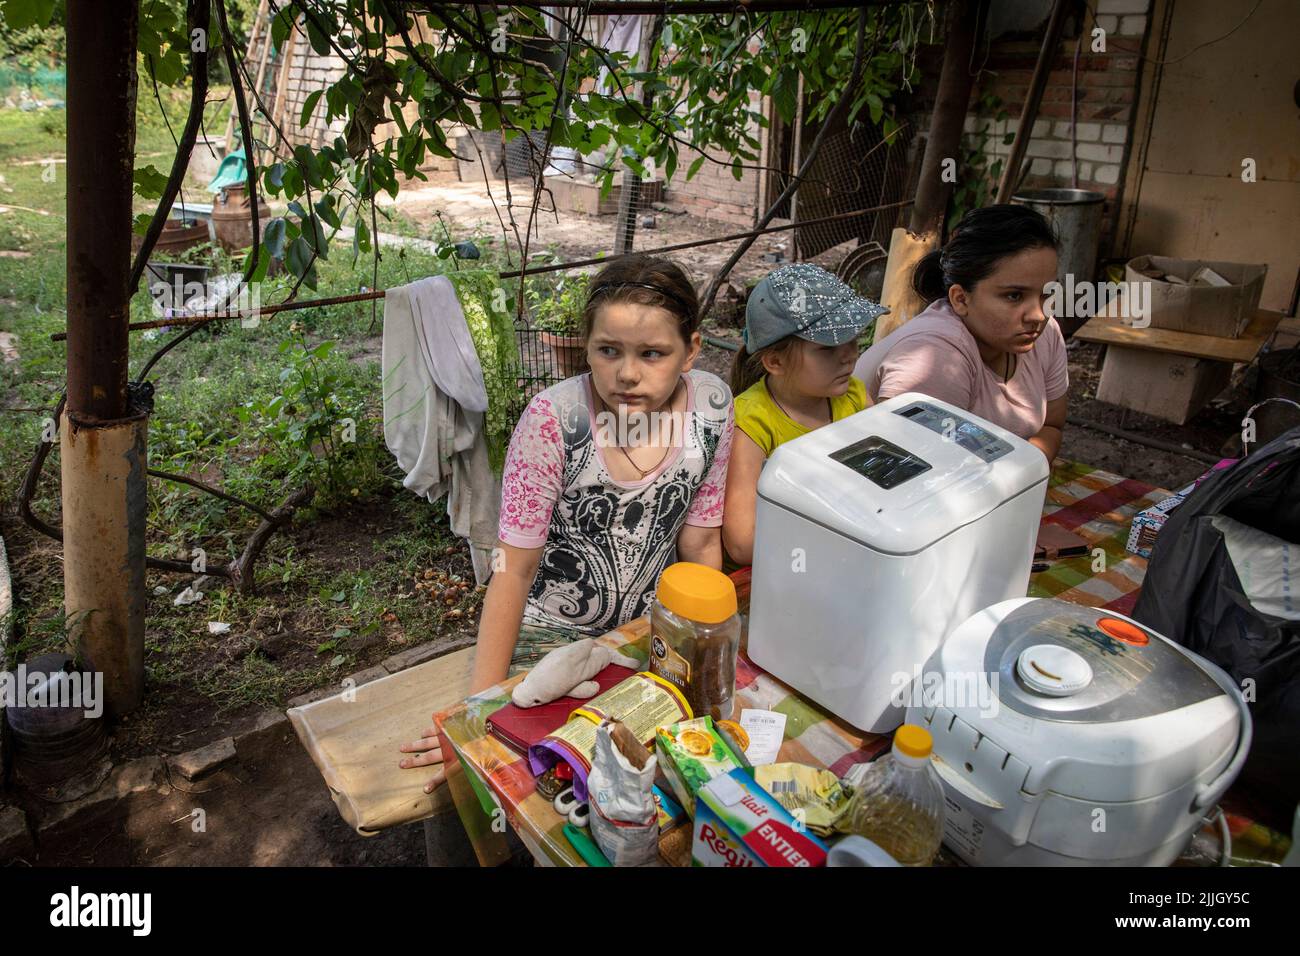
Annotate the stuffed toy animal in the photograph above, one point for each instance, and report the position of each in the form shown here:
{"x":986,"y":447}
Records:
{"x":567,"y":672}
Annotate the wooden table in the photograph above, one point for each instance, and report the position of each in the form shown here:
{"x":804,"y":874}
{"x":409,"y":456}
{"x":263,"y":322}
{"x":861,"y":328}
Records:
{"x":1167,"y":374}
{"x":1109,"y":330}
{"x":493,"y":787}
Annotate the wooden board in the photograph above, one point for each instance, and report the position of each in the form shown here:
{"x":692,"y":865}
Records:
{"x":353,"y":737}
{"x":1110,"y":331}
{"x":1217,"y":89}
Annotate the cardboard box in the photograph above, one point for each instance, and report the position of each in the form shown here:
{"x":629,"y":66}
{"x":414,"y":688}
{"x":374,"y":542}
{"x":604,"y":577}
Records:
{"x":1204,"y":310}
{"x":1147,"y":523}
{"x":1171,"y":387}
{"x":738,"y":823}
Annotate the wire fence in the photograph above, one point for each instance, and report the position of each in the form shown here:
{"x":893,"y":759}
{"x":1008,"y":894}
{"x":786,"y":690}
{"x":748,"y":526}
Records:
{"x":42,"y":83}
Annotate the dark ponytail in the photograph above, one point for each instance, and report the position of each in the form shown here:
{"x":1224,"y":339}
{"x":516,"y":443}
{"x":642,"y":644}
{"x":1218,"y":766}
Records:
{"x":747,"y":369}
{"x":982,"y":239}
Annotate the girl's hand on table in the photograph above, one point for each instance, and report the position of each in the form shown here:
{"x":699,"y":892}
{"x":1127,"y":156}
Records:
{"x":429,"y":752}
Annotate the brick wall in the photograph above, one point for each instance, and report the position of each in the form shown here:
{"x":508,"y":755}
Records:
{"x":714,"y":193}
{"x":309,"y":72}
{"x":1107,"y":88}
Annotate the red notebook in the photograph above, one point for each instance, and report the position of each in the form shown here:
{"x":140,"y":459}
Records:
{"x":521,"y":727}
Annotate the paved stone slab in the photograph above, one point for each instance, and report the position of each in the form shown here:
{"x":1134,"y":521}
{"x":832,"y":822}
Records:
{"x":197,"y":764}
{"x":139,"y":776}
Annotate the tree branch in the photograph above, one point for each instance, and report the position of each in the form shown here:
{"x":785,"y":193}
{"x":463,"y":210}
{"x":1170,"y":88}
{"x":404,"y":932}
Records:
{"x":840,"y":106}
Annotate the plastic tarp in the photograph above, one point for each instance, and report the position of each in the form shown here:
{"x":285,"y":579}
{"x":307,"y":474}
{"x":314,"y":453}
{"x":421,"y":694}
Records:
{"x":1193,"y":594}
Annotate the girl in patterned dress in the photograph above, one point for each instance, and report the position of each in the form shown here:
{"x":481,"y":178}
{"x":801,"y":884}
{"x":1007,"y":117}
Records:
{"x":611,"y":476}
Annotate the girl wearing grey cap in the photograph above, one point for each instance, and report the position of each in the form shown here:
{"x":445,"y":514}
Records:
{"x":792,"y":375}
{"x":986,"y":343}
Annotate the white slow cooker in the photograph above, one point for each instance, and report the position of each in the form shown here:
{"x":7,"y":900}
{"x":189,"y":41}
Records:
{"x":1070,"y":735}
{"x":876,"y":536}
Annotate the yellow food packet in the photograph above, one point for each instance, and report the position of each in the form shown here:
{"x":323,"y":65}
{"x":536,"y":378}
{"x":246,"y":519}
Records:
{"x":814,"y":796}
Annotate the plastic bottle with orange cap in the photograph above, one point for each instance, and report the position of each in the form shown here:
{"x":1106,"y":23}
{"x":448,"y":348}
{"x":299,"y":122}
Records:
{"x":899,"y":805}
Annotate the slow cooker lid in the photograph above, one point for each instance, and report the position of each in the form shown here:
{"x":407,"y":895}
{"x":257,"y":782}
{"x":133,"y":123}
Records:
{"x":1065,"y":662}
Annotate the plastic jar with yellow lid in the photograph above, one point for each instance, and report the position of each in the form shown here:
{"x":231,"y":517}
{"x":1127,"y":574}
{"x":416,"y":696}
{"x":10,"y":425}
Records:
{"x":694,"y":636}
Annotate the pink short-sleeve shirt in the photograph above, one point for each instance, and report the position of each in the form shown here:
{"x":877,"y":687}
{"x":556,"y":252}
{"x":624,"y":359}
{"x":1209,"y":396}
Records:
{"x":936,"y":355}
{"x":605,"y":542}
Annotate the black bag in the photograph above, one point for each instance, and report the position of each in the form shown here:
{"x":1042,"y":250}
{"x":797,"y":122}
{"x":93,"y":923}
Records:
{"x":1192,"y":595}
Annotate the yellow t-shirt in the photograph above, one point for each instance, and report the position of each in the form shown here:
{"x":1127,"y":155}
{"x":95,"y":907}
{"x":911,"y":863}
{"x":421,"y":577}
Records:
{"x":758,"y":416}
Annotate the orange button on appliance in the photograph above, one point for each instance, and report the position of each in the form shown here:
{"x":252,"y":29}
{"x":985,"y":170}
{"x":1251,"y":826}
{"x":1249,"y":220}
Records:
{"x":1123,"y":631}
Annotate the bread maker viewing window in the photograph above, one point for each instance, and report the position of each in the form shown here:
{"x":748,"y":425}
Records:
{"x":882,"y":461}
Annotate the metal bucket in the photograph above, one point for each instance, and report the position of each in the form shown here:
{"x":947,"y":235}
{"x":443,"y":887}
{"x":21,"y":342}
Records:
{"x":54,"y":742}
{"x":232,"y":218}
{"x":205,"y":159}
{"x":1075,"y":215}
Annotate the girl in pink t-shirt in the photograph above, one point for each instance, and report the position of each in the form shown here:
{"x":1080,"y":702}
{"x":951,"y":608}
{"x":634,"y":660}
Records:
{"x":985,"y":344}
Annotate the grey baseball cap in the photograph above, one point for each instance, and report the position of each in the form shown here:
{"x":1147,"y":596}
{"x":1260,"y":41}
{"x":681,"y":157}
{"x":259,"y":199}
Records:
{"x":805,"y":300}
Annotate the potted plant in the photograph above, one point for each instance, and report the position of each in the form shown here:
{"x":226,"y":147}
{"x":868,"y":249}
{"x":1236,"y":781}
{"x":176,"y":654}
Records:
{"x":557,"y":314}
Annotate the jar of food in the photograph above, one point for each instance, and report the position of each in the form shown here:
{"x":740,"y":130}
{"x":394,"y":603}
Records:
{"x":694,"y":636}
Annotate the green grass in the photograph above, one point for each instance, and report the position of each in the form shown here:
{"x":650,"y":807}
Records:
{"x":196,"y":428}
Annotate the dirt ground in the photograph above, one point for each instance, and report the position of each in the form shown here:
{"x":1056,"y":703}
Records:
{"x":271,"y":811}
{"x":468,"y":210}
{"x":284,"y":634}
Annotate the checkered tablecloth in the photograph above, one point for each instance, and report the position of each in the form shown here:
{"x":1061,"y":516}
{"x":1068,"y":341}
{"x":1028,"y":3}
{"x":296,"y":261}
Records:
{"x":1099,"y":507}
{"x":494,"y":787}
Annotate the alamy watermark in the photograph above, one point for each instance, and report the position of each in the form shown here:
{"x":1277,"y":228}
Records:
{"x":952,"y":690}
{"x":637,"y":429}
{"x":75,"y":690}
{"x":1129,"y":302}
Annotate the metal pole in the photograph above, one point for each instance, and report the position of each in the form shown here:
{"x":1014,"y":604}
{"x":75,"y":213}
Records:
{"x":719,"y":7}
{"x":795,"y":161}
{"x":101,"y":151}
{"x":102,"y":438}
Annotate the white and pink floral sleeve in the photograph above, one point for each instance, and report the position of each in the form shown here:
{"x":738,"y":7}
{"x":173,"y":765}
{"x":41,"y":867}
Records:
{"x":706,"y":506}
{"x":532,"y":477}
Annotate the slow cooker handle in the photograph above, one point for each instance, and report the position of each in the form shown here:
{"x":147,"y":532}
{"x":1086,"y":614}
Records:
{"x":1208,"y":793}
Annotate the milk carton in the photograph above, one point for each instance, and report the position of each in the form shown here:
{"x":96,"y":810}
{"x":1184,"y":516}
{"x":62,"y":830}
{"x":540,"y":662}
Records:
{"x":738,"y":823}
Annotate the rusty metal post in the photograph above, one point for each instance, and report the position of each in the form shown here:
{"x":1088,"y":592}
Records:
{"x":102,"y":438}
{"x":630,"y":196}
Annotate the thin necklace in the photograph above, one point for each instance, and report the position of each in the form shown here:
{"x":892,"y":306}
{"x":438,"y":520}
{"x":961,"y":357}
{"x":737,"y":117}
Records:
{"x":672,"y":426}
{"x":830,"y":410}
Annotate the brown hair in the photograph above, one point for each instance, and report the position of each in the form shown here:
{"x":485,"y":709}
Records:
{"x":746,"y":369}
{"x":645,"y":280}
